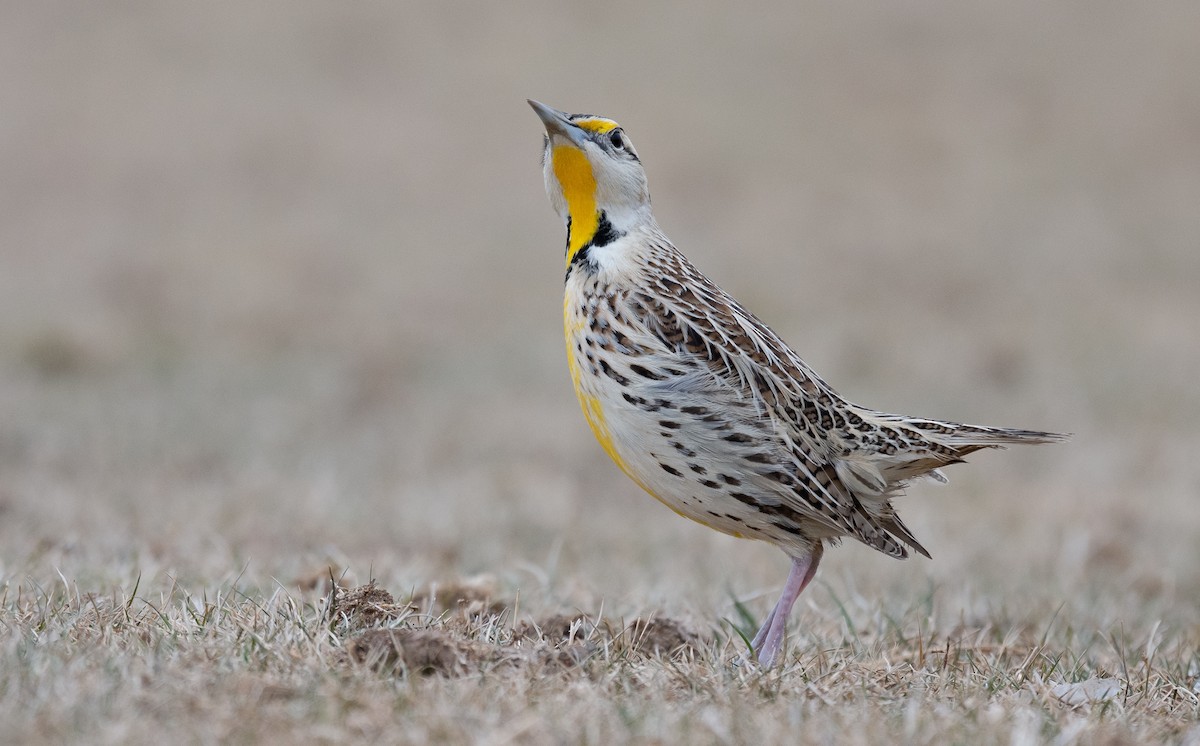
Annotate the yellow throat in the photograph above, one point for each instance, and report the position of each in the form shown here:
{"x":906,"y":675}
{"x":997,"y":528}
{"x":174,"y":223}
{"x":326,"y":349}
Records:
{"x":574,"y":174}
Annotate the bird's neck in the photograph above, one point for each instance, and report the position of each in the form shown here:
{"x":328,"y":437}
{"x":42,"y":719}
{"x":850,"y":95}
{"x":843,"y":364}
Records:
{"x":590,"y":224}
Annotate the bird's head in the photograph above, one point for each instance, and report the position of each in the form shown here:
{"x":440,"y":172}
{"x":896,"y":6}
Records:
{"x":593,"y":177}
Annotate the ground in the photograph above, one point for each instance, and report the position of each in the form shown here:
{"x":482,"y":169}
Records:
{"x":287,"y":444}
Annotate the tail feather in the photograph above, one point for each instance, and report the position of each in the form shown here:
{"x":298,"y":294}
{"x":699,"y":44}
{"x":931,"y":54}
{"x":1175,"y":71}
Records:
{"x":960,"y":435}
{"x":894,"y":526}
{"x":907,"y":448}
{"x":990,"y":437}
{"x":924,"y":446}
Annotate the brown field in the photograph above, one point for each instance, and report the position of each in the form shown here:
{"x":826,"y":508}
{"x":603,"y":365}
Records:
{"x":280,"y":303}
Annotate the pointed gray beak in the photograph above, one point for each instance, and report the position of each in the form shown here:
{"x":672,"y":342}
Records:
{"x":558,"y":123}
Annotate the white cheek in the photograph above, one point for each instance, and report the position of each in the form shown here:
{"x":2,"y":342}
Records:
{"x":614,"y":184}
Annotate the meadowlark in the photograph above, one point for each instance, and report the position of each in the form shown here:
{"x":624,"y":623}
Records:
{"x":705,"y":407}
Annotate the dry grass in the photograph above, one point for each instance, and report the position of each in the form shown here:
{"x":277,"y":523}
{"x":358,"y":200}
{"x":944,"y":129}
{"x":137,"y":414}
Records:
{"x":233,"y":663}
{"x":279,"y":293}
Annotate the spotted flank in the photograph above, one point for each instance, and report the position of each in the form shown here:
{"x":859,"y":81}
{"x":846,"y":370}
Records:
{"x":702,"y":404}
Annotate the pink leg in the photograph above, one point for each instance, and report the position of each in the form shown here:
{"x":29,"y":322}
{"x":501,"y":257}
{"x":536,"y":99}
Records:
{"x":762,"y":631}
{"x":769,"y":641}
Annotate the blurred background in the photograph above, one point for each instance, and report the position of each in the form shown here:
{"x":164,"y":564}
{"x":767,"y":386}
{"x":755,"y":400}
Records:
{"x":280,"y":285}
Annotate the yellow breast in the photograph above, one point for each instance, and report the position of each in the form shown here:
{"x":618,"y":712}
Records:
{"x":574,"y":325}
{"x":593,"y":408}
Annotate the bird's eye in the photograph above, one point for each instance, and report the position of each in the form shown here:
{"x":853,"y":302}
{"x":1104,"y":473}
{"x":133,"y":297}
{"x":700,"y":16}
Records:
{"x":617,"y":139}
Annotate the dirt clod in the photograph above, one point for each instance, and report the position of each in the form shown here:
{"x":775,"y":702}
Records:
{"x":660,"y":635}
{"x":366,"y":606}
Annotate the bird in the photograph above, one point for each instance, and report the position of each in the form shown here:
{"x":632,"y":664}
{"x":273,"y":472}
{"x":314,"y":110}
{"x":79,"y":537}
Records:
{"x":704,"y":406}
